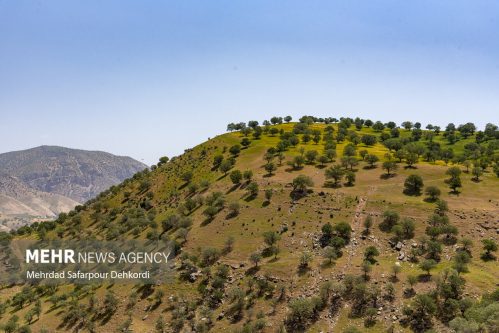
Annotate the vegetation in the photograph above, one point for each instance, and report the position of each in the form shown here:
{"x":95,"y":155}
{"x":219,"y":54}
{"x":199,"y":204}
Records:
{"x":325,"y":238}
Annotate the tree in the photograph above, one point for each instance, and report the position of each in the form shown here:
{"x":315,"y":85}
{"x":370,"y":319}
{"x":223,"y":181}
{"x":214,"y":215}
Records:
{"x":245,"y":142}
{"x":455,"y":180}
{"x":389,"y":166}
{"x":371,"y":160}
{"x":411,"y":159}
{"x":489,"y":246}
{"x":461,"y":260}
{"x":255,"y":258}
{"x":371,"y":252}
{"x":396,"y":268}
{"x":311,"y":156}
{"x":407,"y":227}
{"x":368,"y":223}
{"x":236,"y":177}
{"x":412,"y":280}
{"x":343,"y":230}
{"x":390,"y":218}
{"x":421,"y":312}
{"x":270,"y":168}
{"x":432,"y":192}
{"x":234,"y":208}
{"x":280,"y":157}
{"x":225,"y":166}
{"x":477,"y":172}
{"x":349,"y":150}
{"x":248,"y":175}
{"x":301,"y":183}
{"x":305,"y":259}
{"x":366,"y":268}
{"x":268,"y":194}
{"x":369,"y":139}
{"x":378,"y":126}
{"x":187,"y":176}
{"x":427,"y":265}
{"x":413,"y":185}
{"x":329,"y":253}
{"x":350,"y":176}
{"x":335,"y":172}
{"x":466,"y":244}
{"x":323,"y":159}
{"x":235,"y":150}
{"x":407,"y":125}
{"x":252,"y":189}
{"x":270,"y":238}
{"x":288,"y":119}
{"x":297,"y":162}
{"x":455,"y":183}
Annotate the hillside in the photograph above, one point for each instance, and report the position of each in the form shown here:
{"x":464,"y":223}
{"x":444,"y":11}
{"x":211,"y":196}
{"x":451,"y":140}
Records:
{"x":319,"y":226}
{"x":20,"y":203}
{"x":47,"y":180}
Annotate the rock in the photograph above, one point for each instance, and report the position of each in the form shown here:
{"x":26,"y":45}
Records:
{"x":145,"y":317}
{"x":399,"y":246}
{"x":220,"y":316}
{"x":391,"y":243}
{"x":401,"y":256}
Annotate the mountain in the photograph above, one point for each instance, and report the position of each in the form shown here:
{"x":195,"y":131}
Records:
{"x":47,"y":180}
{"x":315,"y":226}
{"x":77,"y":174}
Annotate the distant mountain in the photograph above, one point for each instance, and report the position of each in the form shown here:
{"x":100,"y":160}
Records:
{"x":16,"y":198}
{"x":47,"y":180}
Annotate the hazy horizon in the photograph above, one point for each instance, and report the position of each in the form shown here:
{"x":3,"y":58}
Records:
{"x":147,"y":79}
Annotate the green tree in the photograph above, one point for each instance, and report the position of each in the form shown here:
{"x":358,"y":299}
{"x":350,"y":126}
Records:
{"x":427,"y":265}
{"x":371,"y":160}
{"x":368,"y":223}
{"x":369,"y":139}
{"x":268,"y":194}
{"x":477,"y":172}
{"x":225,"y":166}
{"x":236,"y":177}
{"x":389,"y":166}
{"x":413,"y":185}
{"x":252,"y":189}
{"x":270,"y":168}
{"x":311,"y":156}
{"x":330,"y":254}
{"x":235,"y":150}
{"x":301,"y":183}
{"x":335,"y":172}
{"x":350,"y":177}
{"x":366,"y":269}
{"x":370,"y":253}
{"x":255,"y":258}
{"x":489,"y":246}
{"x":432,"y":192}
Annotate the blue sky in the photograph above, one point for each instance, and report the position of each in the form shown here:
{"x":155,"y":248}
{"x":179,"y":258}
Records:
{"x":151,"y":78}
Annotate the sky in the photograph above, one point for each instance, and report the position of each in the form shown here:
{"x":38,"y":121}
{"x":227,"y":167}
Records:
{"x":151,"y":78}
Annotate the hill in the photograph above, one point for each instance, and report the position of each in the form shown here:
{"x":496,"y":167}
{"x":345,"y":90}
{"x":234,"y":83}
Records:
{"x":73,"y":173}
{"x":45,"y":181}
{"x":320,"y":225}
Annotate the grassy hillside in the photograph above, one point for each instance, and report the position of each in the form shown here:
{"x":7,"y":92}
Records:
{"x":270,"y":253}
